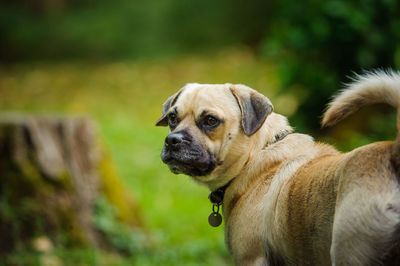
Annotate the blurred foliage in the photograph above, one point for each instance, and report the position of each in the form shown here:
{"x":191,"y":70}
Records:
{"x":133,"y":245}
{"x":126,"y":209}
{"x":318,"y":44}
{"x":124,"y":29}
{"x":119,"y":235}
{"x":125,"y":244}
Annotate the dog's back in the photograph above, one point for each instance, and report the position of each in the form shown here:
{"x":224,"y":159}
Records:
{"x":383,"y":214}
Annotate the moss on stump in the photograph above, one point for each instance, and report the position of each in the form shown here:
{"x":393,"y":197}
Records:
{"x":52,"y":170}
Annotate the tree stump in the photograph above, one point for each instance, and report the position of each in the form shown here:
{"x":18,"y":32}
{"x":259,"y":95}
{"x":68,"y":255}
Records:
{"x":51,"y":174}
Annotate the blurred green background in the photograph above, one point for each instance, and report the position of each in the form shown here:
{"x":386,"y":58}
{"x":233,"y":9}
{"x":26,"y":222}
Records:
{"x":117,"y":61}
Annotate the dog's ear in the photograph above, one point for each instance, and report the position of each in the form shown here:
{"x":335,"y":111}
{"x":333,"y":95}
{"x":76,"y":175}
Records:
{"x":163,"y":120}
{"x":254,"y":106}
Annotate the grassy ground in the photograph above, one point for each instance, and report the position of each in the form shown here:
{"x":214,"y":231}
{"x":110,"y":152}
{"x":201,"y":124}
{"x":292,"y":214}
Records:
{"x":125,"y":99}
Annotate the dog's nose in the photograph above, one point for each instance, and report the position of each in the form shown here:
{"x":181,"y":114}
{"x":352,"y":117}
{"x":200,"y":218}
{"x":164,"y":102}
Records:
{"x":173,"y":139}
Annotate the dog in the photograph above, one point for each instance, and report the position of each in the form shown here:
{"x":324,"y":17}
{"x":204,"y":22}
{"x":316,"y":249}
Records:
{"x":287,"y":199}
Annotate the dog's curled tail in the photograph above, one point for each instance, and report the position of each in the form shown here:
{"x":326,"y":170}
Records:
{"x":371,"y":88}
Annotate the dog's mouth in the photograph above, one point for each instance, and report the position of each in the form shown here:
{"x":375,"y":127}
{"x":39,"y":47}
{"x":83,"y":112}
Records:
{"x":179,"y":167}
{"x":189,"y":160}
{"x":192,"y":166}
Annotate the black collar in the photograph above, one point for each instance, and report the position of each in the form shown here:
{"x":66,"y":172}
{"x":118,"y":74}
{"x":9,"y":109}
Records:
{"x":217,"y":196}
{"x":281,"y":136}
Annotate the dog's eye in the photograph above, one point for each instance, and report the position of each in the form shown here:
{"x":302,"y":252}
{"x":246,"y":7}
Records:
{"x":172,"y":120}
{"x":211,"y":121}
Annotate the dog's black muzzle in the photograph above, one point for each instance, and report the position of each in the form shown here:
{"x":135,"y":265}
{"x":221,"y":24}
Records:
{"x":184,"y":155}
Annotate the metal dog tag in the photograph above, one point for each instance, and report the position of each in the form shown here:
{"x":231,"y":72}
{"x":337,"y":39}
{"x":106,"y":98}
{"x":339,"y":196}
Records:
{"x":215,"y":219}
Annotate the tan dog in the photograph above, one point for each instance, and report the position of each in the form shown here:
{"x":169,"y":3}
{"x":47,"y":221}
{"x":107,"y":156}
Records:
{"x":289,"y":200}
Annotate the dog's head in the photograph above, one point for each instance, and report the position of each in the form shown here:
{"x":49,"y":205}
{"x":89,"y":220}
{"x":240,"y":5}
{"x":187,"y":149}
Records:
{"x":211,"y":128}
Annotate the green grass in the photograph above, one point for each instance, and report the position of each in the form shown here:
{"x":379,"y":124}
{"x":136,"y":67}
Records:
{"x":125,"y":99}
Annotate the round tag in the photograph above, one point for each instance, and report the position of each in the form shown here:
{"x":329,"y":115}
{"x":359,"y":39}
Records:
{"x":215,"y":219}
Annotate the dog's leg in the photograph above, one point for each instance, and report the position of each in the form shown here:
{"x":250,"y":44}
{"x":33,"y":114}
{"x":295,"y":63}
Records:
{"x":363,"y":235}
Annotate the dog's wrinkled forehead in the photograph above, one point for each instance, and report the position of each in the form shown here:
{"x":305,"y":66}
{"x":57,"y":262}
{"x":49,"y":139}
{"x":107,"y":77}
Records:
{"x":198,"y":98}
{"x":194,"y":99}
